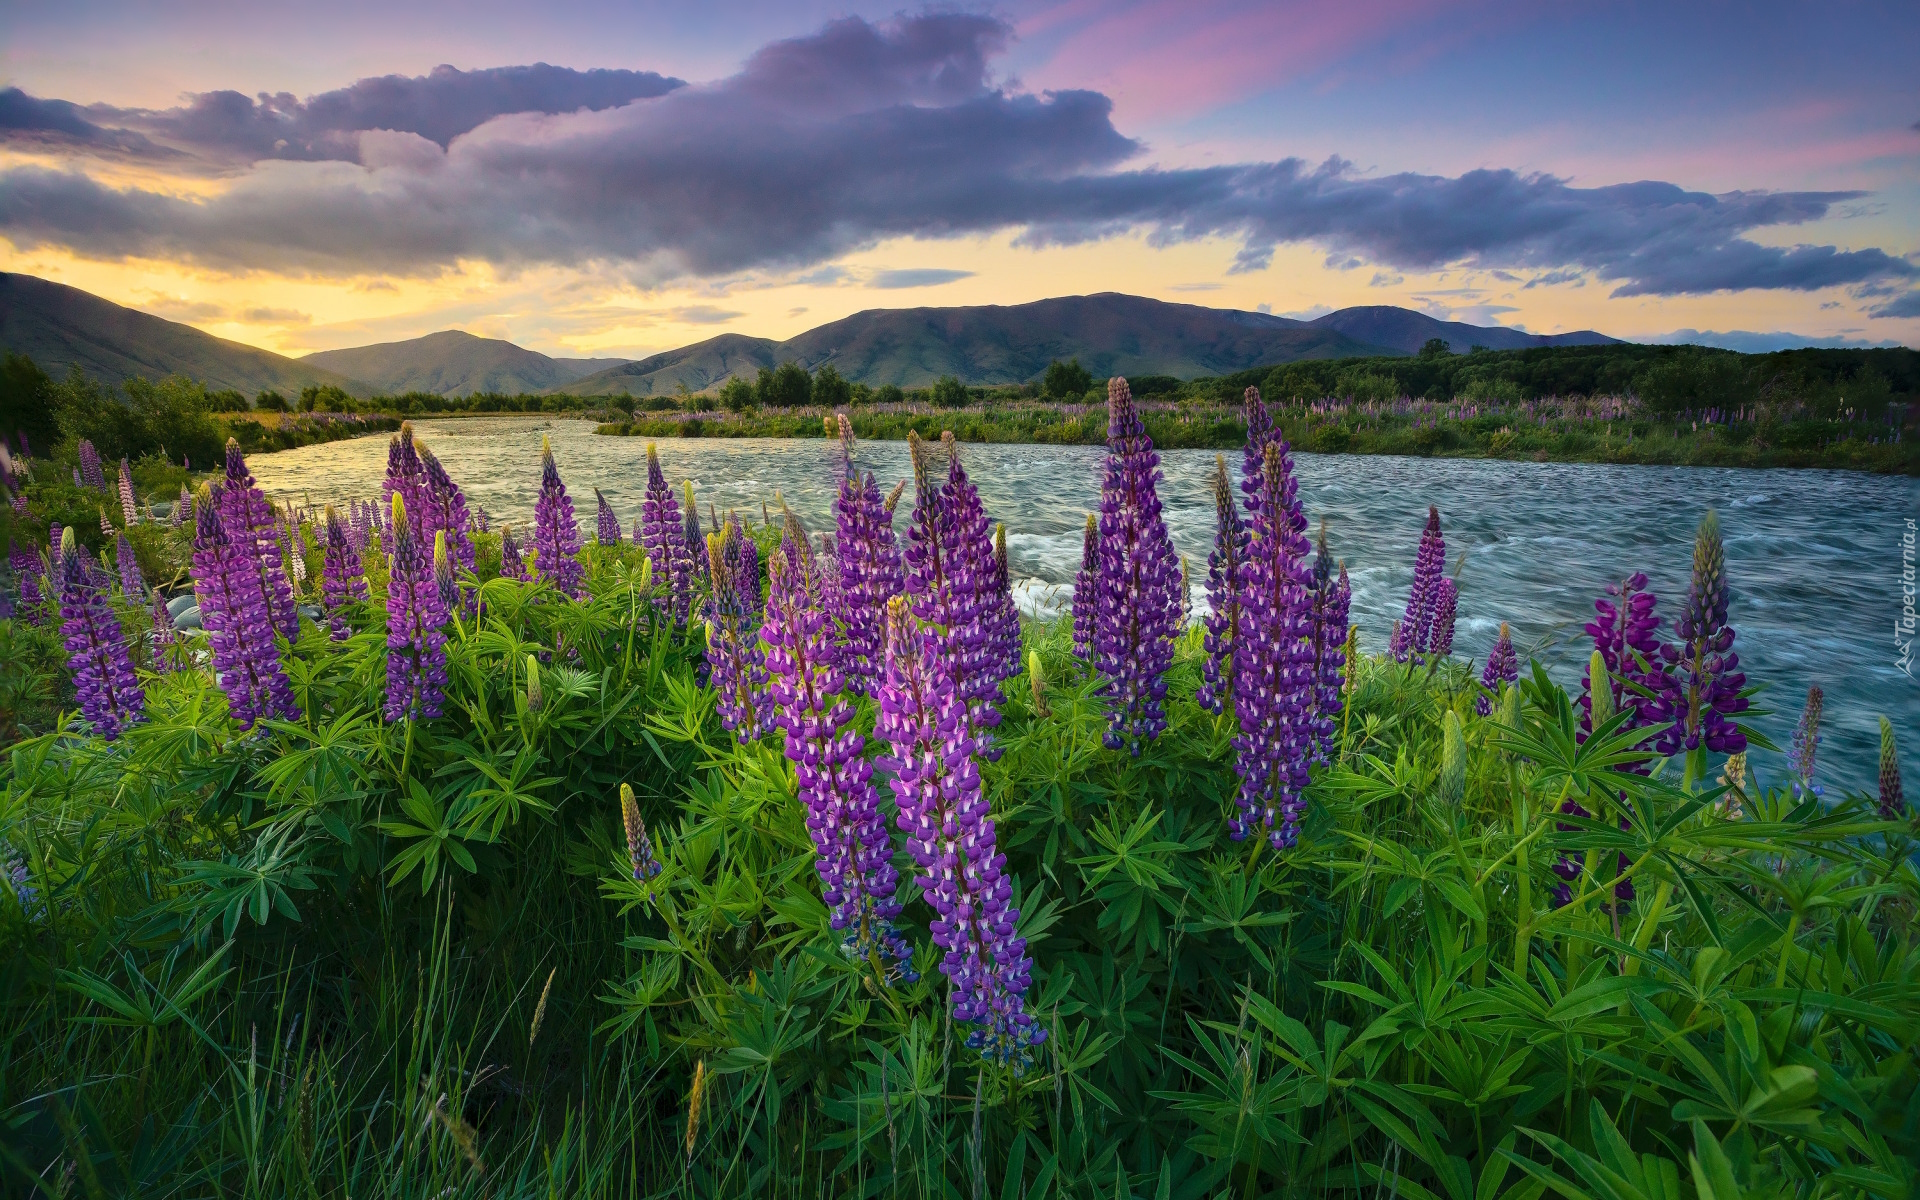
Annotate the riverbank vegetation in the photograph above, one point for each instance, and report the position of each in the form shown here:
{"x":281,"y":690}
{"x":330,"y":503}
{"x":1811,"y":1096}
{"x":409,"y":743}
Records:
{"x":739,"y":861}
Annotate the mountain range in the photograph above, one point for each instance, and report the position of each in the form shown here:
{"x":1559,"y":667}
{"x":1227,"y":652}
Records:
{"x":61,"y":327}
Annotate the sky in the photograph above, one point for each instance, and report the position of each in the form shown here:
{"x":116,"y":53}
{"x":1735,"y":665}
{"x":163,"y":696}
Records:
{"x":615,"y":179}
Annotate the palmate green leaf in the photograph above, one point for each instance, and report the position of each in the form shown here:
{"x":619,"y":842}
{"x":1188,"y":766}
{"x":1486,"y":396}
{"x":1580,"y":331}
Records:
{"x":433,"y":830}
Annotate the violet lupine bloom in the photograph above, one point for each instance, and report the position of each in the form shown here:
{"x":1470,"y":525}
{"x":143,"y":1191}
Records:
{"x":607,"y":526}
{"x":1413,"y":635}
{"x":834,"y":780}
{"x":947,"y":558}
{"x":556,"y":535}
{"x":950,"y":833}
{"x":1274,"y":667}
{"x":90,"y":472}
{"x":692,"y":543}
{"x":1086,"y":591}
{"x":1139,"y":577}
{"x":416,"y":615}
{"x":1004,"y":639}
{"x":406,"y":474}
{"x":103,"y":677}
{"x":341,"y":580}
{"x":133,"y":586}
{"x":1253,"y":458}
{"x":1704,"y":670}
{"x":1804,"y":749}
{"x":512,"y":564}
{"x":1503,"y":667}
{"x":664,"y":535}
{"x":1330,"y":598}
{"x":127,"y":507}
{"x":639,"y":845}
{"x":443,"y":509}
{"x":736,"y":665}
{"x":1222,"y":622}
{"x":481,"y":521}
{"x":183,"y":511}
{"x":248,"y":518}
{"x":26,"y":579}
{"x":233,"y":611}
{"x":1626,"y":633}
{"x":870,"y":570}
{"x":1445,"y":608}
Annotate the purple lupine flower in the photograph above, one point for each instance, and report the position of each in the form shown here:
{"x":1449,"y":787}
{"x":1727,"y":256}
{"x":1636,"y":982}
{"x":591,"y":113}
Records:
{"x":76,"y":478}
{"x":90,"y":473}
{"x":164,"y":634}
{"x":950,"y":833}
{"x":1445,"y":608}
{"x":133,"y":587}
{"x":736,"y":664}
{"x":1253,"y":458}
{"x":1330,"y":598}
{"x":233,"y":611}
{"x":1224,"y":565}
{"x":341,"y":578}
{"x":1503,"y":667}
{"x":556,"y":535}
{"x":249,"y":518}
{"x":26,"y":580}
{"x":1274,"y":667}
{"x":443,"y":508}
{"x":607,"y":526}
{"x":748,"y":581}
{"x":1804,"y":749}
{"x":406,"y":474}
{"x":639,"y":846}
{"x":183,"y":511}
{"x":1412,"y":637}
{"x":870,"y":570}
{"x":1086,"y":591}
{"x":948,"y":560}
{"x":853,"y":853}
{"x":512,"y":564}
{"x":664,"y":536}
{"x":103,"y":677}
{"x":1138,"y":580}
{"x":127,"y":507}
{"x":1705,"y":672}
{"x":1893,"y":805}
{"x":1626,"y":633}
{"x":1004,"y":617}
{"x":481,"y":521}
{"x":416,"y":616}
{"x":692,"y":544}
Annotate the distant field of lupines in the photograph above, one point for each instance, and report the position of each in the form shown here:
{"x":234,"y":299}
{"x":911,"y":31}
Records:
{"x":394,"y":854}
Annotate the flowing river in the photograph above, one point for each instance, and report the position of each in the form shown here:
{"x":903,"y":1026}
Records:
{"x":1814,"y":558}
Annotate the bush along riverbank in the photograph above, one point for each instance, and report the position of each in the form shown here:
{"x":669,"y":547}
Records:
{"x":1607,"y":429}
{"x":725,"y":860}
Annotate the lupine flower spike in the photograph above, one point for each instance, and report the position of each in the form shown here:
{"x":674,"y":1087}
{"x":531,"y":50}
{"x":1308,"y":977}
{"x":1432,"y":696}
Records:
{"x":1411,"y":637}
{"x":233,"y":611}
{"x":341,"y":580}
{"x":512,"y":564}
{"x":1804,"y":749}
{"x":127,"y":508}
{"x":1893,"y":806}
{"x":1330,"y":599}
{"x":1502,"y":670}
{"x":556,"y":534}
{"x":1138,"y":577}
{"x":1005,"y":616}
{"x":1703,"y":672}
{"x":1086,"y":591}
{"x":948,"y":561}
{"x":90,"y":472}
{"x":443,"y":577}
{"x":870,"y":570}
{"x":692,"y":545}
{"x":133,"y":587}
{"x":834,"y":780}
{"x":1222,"y":622}
{"x":663,"y":533}
{"x":250,"y":524}
{"x":607,"y":530}
{"x":736,"y":665}
{"x":639,"y":846}
{"x":951,"y":836}
{"x":1274,"y":666}
{"x":103,"y":676}
{"x":416,"y":642}
{"x":444,"y":510}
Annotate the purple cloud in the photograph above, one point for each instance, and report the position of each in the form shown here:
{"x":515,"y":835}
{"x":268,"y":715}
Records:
{"x":832,"y":142}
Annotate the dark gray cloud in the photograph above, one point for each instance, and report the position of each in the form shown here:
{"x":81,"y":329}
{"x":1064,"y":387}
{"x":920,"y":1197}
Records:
{"x":913,"y":277}
{"x":1905,"y":306}
{"x":230,"y":127}
{"x":862,"y":132}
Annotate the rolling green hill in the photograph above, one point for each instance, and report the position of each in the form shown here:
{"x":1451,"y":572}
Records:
{"x":60,"y":327}
{"x":452,"y":363}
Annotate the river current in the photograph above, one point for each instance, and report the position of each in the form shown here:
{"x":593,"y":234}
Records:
{"x":1814,"y":558}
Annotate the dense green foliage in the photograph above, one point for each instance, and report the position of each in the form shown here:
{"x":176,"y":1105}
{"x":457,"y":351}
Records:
{"x":342,"y":956}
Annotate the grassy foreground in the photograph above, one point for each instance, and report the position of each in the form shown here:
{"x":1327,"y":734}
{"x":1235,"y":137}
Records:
{"x":1608,"y":429}
{"x":345,"y":957}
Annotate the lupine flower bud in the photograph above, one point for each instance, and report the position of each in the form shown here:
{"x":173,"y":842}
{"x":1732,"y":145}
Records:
{"x":1224,"y":567}
{"x":416,"y":642}
{"x":639,"y":846}
{"x":443,"y":580}
{"x":951,"y":836}
{"x":556,"y":535}
{"x":233,"y":611}
{"x":341,"y":579}
{"x":834,"y":780}
{"x":1893,"y":805}
{"x":1804,"y":748}
{"x":1599,"y":690}
{"x":607,"y":531}
{"x":103,"y":676}
{"x":1138,"y":575}
{"x":536,"y":699}
{"x":512,"y":565}
{"x":1502,"y":668}
{"x":1038,"y":679}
